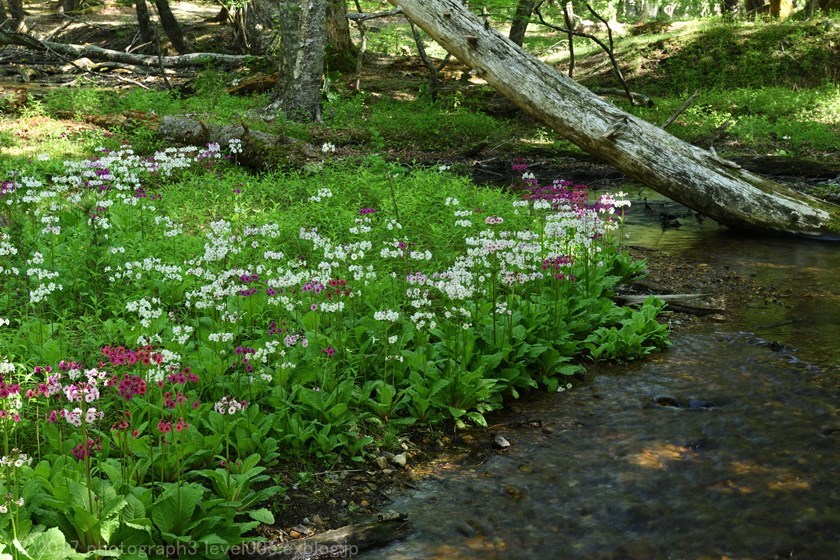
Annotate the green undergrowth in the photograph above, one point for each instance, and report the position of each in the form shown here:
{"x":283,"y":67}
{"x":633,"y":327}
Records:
{"x":174,"y":329}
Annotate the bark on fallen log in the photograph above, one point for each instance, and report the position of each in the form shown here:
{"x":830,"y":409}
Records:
{"x":690,"y":304}
{"x":260,"y":150}
{"x":255,"y":84}
{"x":93,"y":52}
{"x":694,"y":177}
{"x":339,"y":543}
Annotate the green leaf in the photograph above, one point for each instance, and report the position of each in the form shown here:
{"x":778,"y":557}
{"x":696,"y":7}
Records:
{"x":175,"y":508}
{"x":477,"y":418}
{"x":262,"y":515}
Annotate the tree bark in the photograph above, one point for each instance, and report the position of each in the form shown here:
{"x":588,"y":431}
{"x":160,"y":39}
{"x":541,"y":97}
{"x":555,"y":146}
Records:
{"x":148,"y":34}
{"x":260,"y":150}
{"x":69,"y":6}
{"x":781,"y":9}
{"x":303,"y":39}
{"x":341,"y":52}
{"x":694,"y":177}
{"x":97,"y":53}
{"x":16,"y":17}
{"x":171,"y":27}
{"x":338,"y":543}
{"x":521,"y":17}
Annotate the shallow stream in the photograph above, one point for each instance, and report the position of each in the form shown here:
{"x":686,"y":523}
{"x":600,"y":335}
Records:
{"x":725,"y":446}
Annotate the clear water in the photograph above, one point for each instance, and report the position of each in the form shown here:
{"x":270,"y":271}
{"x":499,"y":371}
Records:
{"x":725,"y":446}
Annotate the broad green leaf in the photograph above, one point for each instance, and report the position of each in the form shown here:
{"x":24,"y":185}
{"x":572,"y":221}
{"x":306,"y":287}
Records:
{"x":262,"y":515}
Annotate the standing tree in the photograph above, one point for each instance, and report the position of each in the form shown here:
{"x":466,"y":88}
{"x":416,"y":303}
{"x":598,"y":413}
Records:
{"x":69,"y":6}
{"x":11,"y":19}
{"x":148,"y":34}
{"x":171,"y":27}
{"x":521,"y":17}
{"x":341,"y":52}
{"x":690,"y":175}
{"x":298,"y":50}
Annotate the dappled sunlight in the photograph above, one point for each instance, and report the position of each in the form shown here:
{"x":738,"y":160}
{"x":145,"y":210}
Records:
{"x":730,"y":487}
{"x":659,"y":455}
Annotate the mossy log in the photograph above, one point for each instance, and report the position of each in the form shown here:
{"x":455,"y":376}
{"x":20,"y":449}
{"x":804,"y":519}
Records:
{"x":260,"y":150}
{"x":692,"y":176}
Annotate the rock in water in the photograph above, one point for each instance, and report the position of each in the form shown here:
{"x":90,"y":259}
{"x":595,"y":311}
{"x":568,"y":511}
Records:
{"x":499,"y":442}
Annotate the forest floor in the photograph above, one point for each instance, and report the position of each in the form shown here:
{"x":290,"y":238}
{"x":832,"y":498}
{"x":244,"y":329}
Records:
{"x":393,"y":76}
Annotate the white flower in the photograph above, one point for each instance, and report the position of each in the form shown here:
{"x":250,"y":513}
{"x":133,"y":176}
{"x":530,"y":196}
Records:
{"x":392,"y":339}
{"x":386,"y":315}
{"x":91,"y":415}
{"x":328,"y":148}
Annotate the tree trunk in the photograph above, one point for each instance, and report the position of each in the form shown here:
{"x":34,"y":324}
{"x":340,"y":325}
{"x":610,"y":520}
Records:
{"x":16,"y":16}
{"x":148,"y":34}
{"x":521,"y":17}
{"x":69,"y":6}
{"x":341,"y":52}
{"x":171,"y":27}
{"x":753,"y":7}
{"x":303,"y":39}
{"x":829,"y":5}
{"x":689,"y":175}
{"x":781,"y":9}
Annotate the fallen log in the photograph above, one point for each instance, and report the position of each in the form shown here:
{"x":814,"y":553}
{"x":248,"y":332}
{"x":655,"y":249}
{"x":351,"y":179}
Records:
{"x":254,"y":84}
{"x":260,"y":150}
{"x":339,"y":543}
{"x":690,"y":304}
{"x":93,"y":52}
{"x":694,"y":177}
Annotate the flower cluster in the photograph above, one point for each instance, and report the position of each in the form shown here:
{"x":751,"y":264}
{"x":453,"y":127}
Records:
{"x":229,"y":405}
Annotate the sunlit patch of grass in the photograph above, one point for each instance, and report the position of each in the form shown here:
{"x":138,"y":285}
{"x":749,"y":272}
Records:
{"x":41,"y":136}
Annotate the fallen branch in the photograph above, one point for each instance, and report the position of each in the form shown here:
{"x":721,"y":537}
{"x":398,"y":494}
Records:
{"x":98,"y":53}
{"x":339,"y":543}
{"x":682,"y":108}
{"x":690,"y":304}
{"x":360,"y":16}
{"x":638,"y":98}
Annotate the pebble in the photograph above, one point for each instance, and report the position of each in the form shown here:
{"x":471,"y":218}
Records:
{"x":464,"y":529}
{"x":382,"y":462}
{"x":499,"y":442}
{"x":400,"y":460}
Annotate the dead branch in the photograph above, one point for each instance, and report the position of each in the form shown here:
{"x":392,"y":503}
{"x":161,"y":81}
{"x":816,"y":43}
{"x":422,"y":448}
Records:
{"x":339,"y":542}
{"x":361,"y":16}
{"x":97,"y":53}
{"x":434,"y":82}
{"x":682,"y":108}
{"x":638,"y":98}
{"x":606,"y":48}
{"x":357,"y":79}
